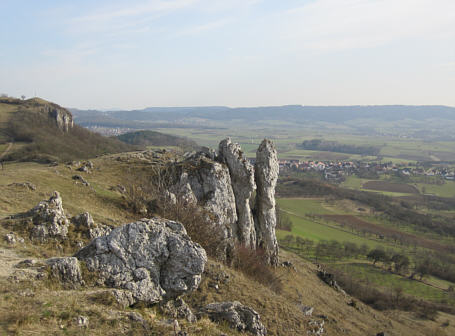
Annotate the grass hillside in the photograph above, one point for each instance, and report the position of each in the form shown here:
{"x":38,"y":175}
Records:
{"x":152,"y":138}
{"x":36,"y":137}
{"x":52,"y":310}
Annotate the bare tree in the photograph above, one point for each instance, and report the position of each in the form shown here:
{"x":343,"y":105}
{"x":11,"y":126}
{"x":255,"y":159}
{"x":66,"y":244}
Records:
{"x":23,"y":97}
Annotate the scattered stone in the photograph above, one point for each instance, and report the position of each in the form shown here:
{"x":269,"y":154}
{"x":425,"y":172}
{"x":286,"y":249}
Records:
{"x":67,"y":270}
{"x":83,"y":169}
{"x":178,"y":309}
{"x":238,"y":316}
{"x":79,"y":178}
{"x":152,"y":258}
{"x":288,"y":264}
{"x":315,"y":327}
{"x":82,"y":321}
{"x":27,"y":263}
{"x":10,"y":238}
{"x":329,"y":279}
{"x":121,"y":189}
{"x":26,"y":185}
{"x":306,"y":310}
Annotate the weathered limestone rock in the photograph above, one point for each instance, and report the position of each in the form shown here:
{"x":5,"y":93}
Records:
{"x":152,"y":258}
{"x":178,"y":309}
{"x":238,"y":316}
{"x":62,"y":117}
{"x":67,"y":270}
{"x":85,"y":224}
{"x":243,"y":185}
{"x":49,"y":219}
{"x":266,"y":174}
{"x":211,"y":185}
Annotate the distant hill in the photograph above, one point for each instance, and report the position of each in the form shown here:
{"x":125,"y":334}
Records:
{"x":294,"y":113}
{"x":43,"y":131}
{"x":152,"y":138}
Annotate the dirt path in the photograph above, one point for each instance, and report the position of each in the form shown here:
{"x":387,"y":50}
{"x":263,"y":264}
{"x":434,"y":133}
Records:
{"x":6,"y":151}
{"x":8,"y":258}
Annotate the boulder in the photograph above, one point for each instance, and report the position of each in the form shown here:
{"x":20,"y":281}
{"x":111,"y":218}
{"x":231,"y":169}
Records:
{"x":237,"y":315}
{"x":67,"y":270}
{"x":153,"y":258}
{"x":49,"y":219}
{"x":266,"y":175}
{"x":243,"y":186}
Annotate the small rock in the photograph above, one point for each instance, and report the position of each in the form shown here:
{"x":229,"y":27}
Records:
{"x":238,"y":316}
{"x":10,"y":238}
{"x":307,"y":310}
{"x":82,"y":321}
{"x":178,"y":309}
{"x":81,"y":179}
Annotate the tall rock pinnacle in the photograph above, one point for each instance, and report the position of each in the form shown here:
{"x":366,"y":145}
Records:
{"x":266,"y":175}
{"x":242,"y":179}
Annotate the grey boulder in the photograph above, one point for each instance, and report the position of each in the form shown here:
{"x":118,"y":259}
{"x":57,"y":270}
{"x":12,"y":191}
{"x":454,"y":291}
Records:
{"x":154,"y":259}
{"x":238,"y":316}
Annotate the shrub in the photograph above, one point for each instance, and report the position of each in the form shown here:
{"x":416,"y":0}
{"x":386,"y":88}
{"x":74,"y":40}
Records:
{"x":252,"y":263}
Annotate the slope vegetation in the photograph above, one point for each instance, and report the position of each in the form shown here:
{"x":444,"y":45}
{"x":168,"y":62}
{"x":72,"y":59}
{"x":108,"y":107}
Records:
{"x":38,"y":133}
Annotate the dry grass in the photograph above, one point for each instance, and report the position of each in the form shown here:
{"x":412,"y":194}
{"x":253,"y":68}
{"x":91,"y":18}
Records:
{"x":51,"y":310}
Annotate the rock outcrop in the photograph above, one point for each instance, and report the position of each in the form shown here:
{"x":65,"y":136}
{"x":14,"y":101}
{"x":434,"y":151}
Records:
{"x":266,"y":174}
{"x":237,"y":315}
{"x":243,"y":186}
{"x":154,"y":259}
{"x":49,"y":219}
{"x":224,"y":185}
{"x":67,"y":270}
{"x":62,"y":117}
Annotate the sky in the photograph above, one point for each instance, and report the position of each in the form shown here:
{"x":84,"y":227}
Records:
{"x":108,"y":54}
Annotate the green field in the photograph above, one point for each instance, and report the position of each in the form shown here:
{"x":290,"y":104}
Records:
{"x":380,"y":277}
{"x":299,"y":208}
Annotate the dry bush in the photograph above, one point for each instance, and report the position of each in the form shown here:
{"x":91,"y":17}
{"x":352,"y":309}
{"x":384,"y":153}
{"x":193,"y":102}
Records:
{"x":253,"y":264}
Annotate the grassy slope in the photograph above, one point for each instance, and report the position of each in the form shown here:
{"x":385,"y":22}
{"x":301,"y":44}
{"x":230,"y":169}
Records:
{"x":51,"y":310}
{"x":37,"y":138}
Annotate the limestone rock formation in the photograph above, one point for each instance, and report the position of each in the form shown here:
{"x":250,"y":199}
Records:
{"x":266,"y":174}
{"x":238,"y":316}
{"x":243,"y":185}
{"x":49,"y":219}
{"x":67,"y":270}
{"x":153,"y":258}
{"x":210,"y":183}
{"x":224,"y":185}
{"x":62,"y":117}
{"x":85,"y":224}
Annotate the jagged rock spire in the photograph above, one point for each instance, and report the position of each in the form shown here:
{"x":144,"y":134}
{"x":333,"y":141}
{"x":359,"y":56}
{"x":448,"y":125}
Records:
{"x":243,"y":185}
{"x":266,"y":175}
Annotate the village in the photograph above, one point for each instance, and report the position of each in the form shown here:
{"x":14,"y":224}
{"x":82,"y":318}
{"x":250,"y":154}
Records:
{"x":337,"y":171}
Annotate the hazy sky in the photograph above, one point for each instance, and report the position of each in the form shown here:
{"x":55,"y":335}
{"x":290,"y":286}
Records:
{"x":137,"y":53}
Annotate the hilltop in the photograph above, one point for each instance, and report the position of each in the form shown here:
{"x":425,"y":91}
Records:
{"x":38,"y":130}
{"x":157,"y":139}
